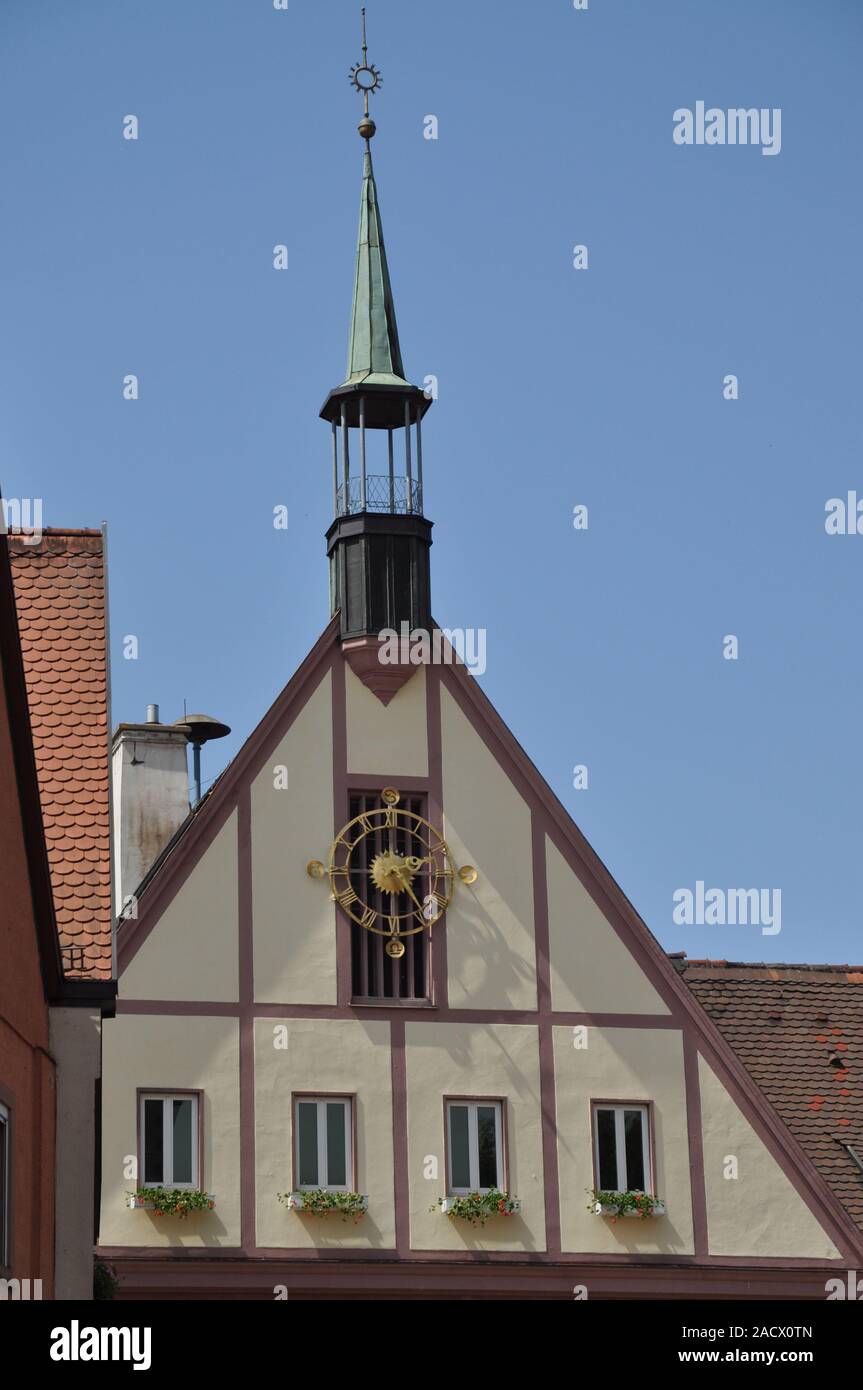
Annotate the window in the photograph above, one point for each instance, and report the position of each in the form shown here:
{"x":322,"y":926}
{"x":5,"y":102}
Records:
{"x":621,"y":1143}
{"x":474,"y":1145}
{"x":170,"y":1144}
{"x":323,"y":1143}
{"x":5,"y":1163}
{"x":374,"y":974}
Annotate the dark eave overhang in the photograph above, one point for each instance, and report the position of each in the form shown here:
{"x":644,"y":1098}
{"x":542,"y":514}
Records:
{"x":384,"y":405}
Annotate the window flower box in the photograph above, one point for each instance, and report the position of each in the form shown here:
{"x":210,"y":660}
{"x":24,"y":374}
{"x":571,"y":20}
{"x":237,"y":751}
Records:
{"x":635,"y":1205}
{"x":165,"y":1201}
{"x":477,"y":1207}
{"x":320,"y":1202}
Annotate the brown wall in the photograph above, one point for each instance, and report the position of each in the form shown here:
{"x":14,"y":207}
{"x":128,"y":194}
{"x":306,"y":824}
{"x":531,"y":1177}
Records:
{"x":27,"y":1091}
{"x":26,"y":1067}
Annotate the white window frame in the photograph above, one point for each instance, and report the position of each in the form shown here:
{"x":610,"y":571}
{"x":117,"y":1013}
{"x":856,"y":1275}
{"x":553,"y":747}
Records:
{"x":347,"y":1104}
{"x":5,"y":1181}
{"x":620,"y":1144}
{"x":472,"y":1107}
{"x":168,"y":1098}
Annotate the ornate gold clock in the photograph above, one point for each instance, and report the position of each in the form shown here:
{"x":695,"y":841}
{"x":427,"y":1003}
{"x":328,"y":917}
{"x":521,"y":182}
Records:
{"x":391,"y":871}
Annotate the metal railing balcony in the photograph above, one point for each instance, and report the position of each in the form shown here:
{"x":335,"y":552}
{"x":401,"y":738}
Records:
{"x":396,"y":495}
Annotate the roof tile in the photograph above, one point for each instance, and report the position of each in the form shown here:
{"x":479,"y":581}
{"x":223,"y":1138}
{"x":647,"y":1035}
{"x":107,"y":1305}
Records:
{"x":61,"y":600}
{"x":774,"y":1017}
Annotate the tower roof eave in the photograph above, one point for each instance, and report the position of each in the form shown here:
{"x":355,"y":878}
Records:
{"x":384,"y":402}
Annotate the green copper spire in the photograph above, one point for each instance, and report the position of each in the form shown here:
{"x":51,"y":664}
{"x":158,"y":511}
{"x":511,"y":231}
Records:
{"x":374,"y":355}
{"x":375,"y":394}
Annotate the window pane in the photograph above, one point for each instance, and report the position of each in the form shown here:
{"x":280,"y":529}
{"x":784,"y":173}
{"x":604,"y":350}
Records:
{"x":459,"y":1150}
{"x":607,"y":1150}
{"x":154,"y":1111}
{"x":182,"y":1140}
{"x":307,"y":1142}
{"x":632,"y":1121}
{"x":337,"y":1158}
{"x":487,"y":1141}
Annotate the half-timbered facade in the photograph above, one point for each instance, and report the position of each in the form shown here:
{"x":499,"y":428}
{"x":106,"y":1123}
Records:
{"x":468,"y":1005}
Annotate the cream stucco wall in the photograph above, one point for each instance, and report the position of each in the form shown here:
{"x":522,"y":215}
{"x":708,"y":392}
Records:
{"x":591,"y":969}
{"x":335,"y":1057}
{"x":477,"y":1060}
{"x":633,"y":1064}
{"x":387,"y":740}
{"x":294,"y":918}
{"x":203,"y":915}
{"x":758,"y":1212}
{"x":166,"y":1052}
{"x":490,"y":936}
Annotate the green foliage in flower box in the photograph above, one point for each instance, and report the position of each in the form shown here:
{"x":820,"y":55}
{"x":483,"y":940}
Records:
{"x":351,"y":1206}
{"x":176,"y":1201}
{"x":642,"y":1204}
{"x":477,"y":1207}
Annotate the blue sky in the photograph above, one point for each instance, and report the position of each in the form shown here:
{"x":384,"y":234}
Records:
{"x":556,"y":387}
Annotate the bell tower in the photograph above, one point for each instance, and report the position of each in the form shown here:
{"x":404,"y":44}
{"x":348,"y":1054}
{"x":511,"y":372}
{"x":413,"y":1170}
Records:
{"x":379,"y":541}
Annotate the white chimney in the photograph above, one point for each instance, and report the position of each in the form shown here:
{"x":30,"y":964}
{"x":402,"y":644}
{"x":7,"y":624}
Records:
{"x":151,"y":798}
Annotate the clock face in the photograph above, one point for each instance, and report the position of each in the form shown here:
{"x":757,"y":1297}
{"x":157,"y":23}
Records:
{"x":391,"y":871}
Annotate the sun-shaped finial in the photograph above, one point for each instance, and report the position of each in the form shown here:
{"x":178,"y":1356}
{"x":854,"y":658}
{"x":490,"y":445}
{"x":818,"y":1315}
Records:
{"x":366,"y":78}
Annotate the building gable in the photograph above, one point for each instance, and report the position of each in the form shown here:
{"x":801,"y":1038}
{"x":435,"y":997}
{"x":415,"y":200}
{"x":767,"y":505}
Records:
{"x":542,"y":940}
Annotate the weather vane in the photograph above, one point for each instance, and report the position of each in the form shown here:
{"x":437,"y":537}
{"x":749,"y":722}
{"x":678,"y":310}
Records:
{"x":366,"y":78}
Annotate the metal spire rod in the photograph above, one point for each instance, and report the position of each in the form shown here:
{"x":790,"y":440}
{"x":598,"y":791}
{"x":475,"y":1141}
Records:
{"x":366,"y":78}
{"x":365,"y":63}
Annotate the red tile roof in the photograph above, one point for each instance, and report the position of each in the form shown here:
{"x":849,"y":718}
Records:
{"x":798,"y":1029}
{"x":61,"y":600}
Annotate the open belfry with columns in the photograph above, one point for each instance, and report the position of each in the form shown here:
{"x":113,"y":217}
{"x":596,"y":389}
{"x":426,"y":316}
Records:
{"x":382,"y":1012}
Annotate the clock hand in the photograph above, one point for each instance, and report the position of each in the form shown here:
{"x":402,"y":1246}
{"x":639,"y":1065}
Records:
{"x":413,"y":861}
{"x":410,"y":891}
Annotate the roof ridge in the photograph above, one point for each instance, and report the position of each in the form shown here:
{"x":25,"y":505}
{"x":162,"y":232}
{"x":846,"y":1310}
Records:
{"x":682,"y":963}
{"x":24,"y":531}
